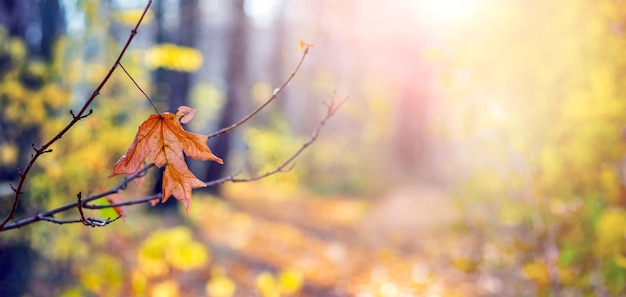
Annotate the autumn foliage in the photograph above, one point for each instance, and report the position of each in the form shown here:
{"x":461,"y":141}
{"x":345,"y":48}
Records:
{"x":489,"y":160}
{"x":162,"y":138}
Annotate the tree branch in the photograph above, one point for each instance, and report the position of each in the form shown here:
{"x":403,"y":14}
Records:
{"x":126,"y":203}
{"x":75,"y":118}
{"x":91,"y":222}
{"x":277,"y":92}
{"x":48,"y":215}
{"x":331,"y":109}
{"x":81,"y":203}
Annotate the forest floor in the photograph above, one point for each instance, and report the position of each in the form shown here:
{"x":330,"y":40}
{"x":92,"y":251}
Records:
{"x":396,"y":245}
{"x":410,"y":241}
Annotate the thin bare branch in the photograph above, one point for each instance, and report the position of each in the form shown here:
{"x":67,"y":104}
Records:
{"x":331,"y":108}
{"x":125,"y":203}
{"x":277,"y":92}
{"x":91,"y":222}
{"x":80,"y":208}
{"x":50,"y":213}
{"x":81,"y":204}
{"x":75,"y":118}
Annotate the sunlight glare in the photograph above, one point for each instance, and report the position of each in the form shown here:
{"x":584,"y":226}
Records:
{"x":262,"y":12}
{"x":446,"y":12}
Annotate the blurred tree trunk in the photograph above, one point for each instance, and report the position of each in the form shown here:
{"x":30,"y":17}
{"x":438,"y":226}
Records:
{"x":410,"y":138}
{"x":236,"y":80}
{"x":173,"y":86}
{"x":410,"y":141}
{"x":39,"y":24}
{"x":186,"y":34}
{"x":52,"y":26}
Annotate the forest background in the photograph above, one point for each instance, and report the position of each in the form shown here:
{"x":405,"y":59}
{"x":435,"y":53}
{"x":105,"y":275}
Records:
{"x":480,"y":153}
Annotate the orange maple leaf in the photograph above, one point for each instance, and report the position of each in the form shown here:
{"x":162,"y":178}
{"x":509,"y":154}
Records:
{"x":115,"y":198}
{"x":162,"y":138}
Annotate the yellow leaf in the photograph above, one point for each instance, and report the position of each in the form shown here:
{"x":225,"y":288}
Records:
{"x":464,"y":264}
{"x":188,"y":255}
{"x":620,"y":260}
{"x":8,"y":154}
{"x":610,"y":232}
{"x":220,"y":286}
{"x":166,"y":289}
{"x":174,"y":57}
{"x":290,"y":281}
{"x":538,"y":273}
{"x":266,"y":283}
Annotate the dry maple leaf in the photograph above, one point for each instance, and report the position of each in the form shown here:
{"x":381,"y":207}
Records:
{"x":162,"y":138}
{"x":115,"y":198}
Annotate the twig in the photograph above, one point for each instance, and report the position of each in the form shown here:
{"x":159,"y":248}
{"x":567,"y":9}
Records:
{"x":48,"y":216}
{"x":75,"y":118}
{"x":331,"y":108}
{"x":50,"y":213}
{"x":91,"y":222}
{"x":277,"y":92}
{"x":80,"y":208}
{"x":125,"y":203}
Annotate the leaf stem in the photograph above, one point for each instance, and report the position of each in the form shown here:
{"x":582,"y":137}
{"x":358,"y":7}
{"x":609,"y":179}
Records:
{"x":331,"y":109}
{"x":140,"y":89}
